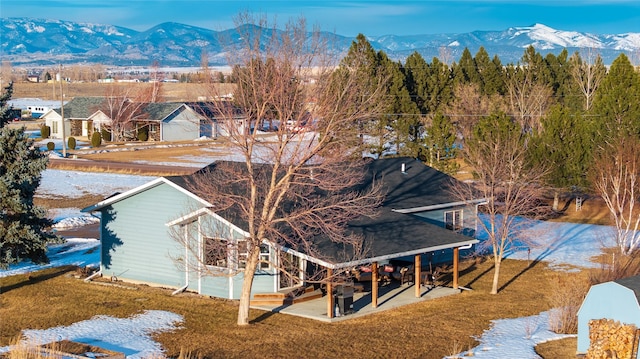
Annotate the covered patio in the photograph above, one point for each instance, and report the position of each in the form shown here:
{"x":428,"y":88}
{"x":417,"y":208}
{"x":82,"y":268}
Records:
{"x":390,"y":296}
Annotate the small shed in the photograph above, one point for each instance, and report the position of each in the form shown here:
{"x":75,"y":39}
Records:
{"x":617,"y":300}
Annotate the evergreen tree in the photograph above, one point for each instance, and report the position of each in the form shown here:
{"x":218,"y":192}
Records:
{"x":402,"y":113}
{"x":490,"y":72}
{"x":616,"y":105}
{"x":366,"y":63}
{"x":466,"y":70}
{"x":5,"y":116}
{"x":564,"y":146}
{"x":439,"y":87}
{"x":417,"y":73}
{"x":440,"y":138}
{"x":23,"y":225}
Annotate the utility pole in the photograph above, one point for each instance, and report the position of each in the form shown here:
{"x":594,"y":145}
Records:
{"x":64,"y":145}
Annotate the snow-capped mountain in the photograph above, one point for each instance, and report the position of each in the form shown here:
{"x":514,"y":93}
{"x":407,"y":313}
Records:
{"x":28,"y":41}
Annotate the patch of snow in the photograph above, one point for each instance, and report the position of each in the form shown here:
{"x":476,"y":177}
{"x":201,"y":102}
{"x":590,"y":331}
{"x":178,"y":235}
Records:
{"x":82,"y":252}
{"x":75,"y":184}
{"x":131,"y":336}
{"x":513,"y":338}
{"x":67,"y":218}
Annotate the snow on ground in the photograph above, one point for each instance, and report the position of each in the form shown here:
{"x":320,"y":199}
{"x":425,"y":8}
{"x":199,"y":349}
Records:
{"x":131,"y":336}
{"x":558,"y":243}
{"x":74,"y":184}
{"x":67,"y":218}
{"x":81,"y":252}
{"x":513,"y":338}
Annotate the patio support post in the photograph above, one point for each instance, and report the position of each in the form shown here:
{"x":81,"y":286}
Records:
{"x":417,"y":275}
{"x":330,"y":303}
{"x":374,"y":285}
{"x":456,"y":252}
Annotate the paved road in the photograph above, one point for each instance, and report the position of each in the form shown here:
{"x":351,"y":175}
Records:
{"x":134,"y":168}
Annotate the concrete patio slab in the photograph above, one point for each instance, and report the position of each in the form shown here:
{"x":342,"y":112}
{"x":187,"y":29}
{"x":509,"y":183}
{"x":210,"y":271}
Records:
{"x":389,"y":297}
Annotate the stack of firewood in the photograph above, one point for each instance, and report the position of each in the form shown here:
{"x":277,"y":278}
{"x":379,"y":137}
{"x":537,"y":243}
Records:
{"x":611,"y":339}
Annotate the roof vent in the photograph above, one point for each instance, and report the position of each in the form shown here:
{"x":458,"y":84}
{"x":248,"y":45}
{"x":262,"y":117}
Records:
{"x":404,"y":169}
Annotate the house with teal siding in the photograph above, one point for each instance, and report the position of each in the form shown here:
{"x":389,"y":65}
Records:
{"x":160,"y":233}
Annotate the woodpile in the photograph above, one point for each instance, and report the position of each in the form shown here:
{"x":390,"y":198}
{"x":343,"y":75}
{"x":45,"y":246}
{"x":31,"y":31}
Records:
{"x":612,"y":339}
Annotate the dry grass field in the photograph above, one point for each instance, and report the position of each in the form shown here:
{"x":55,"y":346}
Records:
{"x":170,"y":91}
{"x":430,"y":329}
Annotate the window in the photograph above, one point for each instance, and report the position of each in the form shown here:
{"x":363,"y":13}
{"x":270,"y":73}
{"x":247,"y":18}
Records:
{"x":54,"y":126}
{"x":265,"y":257}
{"x":216,"y":252}
{"x":453,"y":220}
{"x":223,"y":253}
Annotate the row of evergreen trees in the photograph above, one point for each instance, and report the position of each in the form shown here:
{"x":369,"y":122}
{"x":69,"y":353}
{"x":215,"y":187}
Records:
{"x":566,"y":106}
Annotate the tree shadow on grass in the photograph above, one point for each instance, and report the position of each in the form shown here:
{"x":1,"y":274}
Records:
{"x":472,"y":268}
{"x":37,"y":277}
{"x":522,"y":272}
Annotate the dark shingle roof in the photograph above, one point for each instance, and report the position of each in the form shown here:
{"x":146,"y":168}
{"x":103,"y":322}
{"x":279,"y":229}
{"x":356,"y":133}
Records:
{"x":390,"y":233}
{"x":82,"y":107}
{"x":632,"y":283}
{"x":158,"y":111}
{"x":419,"y":185}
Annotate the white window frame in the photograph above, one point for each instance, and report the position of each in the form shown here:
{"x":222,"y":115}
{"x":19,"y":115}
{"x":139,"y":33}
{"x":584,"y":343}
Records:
{"x":454,"y":225}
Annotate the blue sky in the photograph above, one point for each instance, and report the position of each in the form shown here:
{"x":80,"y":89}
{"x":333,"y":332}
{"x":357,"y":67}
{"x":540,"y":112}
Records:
{"x":348,"y":18}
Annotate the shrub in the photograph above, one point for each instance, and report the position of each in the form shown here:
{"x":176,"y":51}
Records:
{"x":566,"y":296}
{"x":143,"y":134}
{"x":71,"y":143}
{"x":106,"y":135}
{"x":45,"y":131}
{"x":96,"y":139}
{"x":51,"y":146}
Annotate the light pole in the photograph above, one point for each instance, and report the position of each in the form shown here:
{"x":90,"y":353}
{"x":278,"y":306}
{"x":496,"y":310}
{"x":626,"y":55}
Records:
{"x":64,"y":145}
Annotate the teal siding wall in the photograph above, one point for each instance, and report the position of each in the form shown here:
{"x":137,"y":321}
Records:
{"x":136,"y":243}
{"x":220,"y":286}
{"x":608,"y":300}
{"x":437,"y":217}
{"x":182,"y":125}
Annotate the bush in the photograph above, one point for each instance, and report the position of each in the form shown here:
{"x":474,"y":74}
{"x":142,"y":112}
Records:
{"x":51,"y":146}
{"x":143,"y":134}
{"x":106,"y":135}
{"x":71,"y":143}
{"x":45,"y":131}
{"x":96,"y":139}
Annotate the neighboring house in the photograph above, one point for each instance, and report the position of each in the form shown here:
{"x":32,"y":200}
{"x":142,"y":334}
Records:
{"x":138,"y":232}
{"x":163,"y":121}
{"x":183,"y":121}
{"x":212,"y":125}
{"x":82,"y":117}
{"x":616,"y":300}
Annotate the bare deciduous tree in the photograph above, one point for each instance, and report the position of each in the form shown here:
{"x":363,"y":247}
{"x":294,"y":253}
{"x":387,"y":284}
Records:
{"x":616,"y":177}
{"x":300,"y":180}
{"x":503,"y":175}
{"x":587,"y":74}
{"x":469,"y":105}
{"x":529,"y":99}
{"x":124,"y":104}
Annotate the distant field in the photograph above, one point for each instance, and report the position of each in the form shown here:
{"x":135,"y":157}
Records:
{"x":170,"y":91}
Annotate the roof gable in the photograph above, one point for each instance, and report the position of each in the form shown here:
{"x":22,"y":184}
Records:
{"x":82,"y":107}
{"x":158,"y":111}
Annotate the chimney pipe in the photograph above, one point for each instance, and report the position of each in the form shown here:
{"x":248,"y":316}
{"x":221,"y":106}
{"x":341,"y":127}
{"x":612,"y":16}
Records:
{"x":403,"y":168}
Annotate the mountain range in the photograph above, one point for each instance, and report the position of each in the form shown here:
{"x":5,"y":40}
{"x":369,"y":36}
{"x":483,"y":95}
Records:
{"x":44,"y":42}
